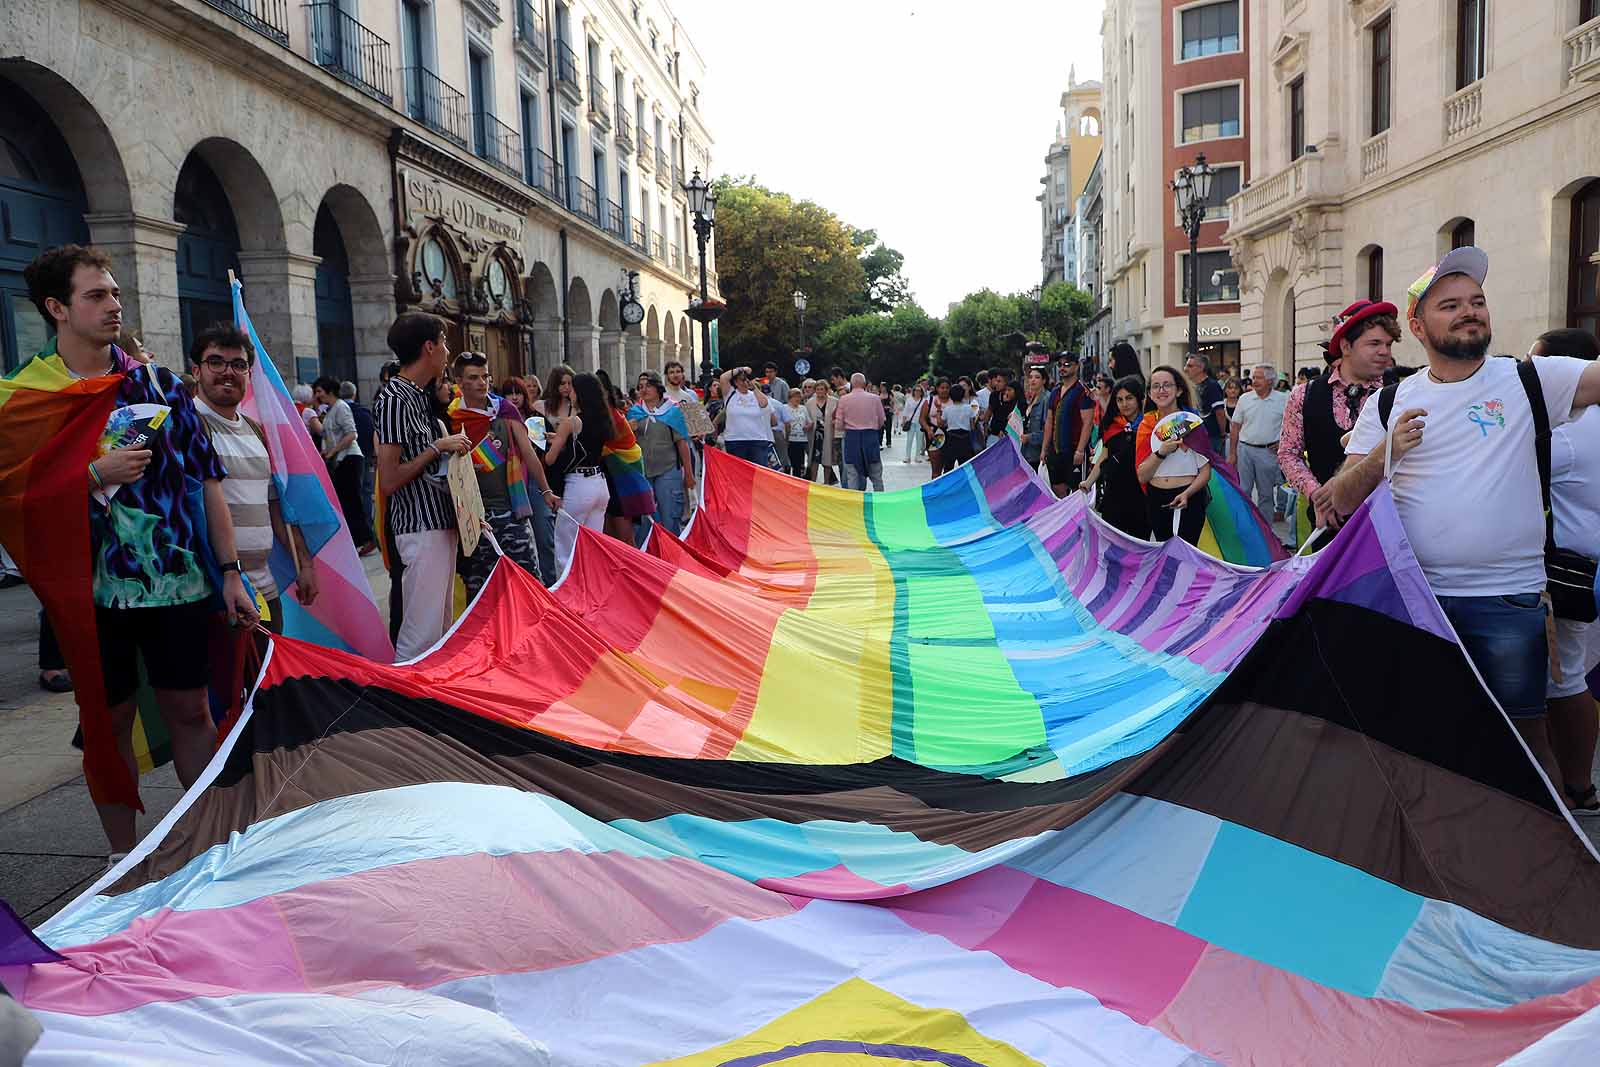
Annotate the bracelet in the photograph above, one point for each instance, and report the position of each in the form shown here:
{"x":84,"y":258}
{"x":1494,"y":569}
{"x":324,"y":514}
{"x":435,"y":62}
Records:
{"x":98,"y":481}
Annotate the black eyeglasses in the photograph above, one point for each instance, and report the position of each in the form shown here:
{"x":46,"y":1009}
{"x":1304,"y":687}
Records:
{"x":217,"y":363}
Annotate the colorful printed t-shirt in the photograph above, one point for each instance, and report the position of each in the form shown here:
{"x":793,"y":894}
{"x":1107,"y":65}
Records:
{"x":147,"y":552}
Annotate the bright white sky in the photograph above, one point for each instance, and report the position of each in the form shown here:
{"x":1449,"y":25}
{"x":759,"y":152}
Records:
{"x":927,"y":120}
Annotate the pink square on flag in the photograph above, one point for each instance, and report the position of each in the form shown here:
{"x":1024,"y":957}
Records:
{"x":670,"y":733}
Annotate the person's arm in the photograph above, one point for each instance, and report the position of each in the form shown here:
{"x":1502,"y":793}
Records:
{"x":219,"y":521}
{"x":1081,"y":453}
{"x":571,"y":426}
{"x":305,"y":578}
{"x":1049,"y":430}
{"x":1233,"y":442}
{"x":1201,"y":477}
{"x":1094,"y":472}
{"x":1588,"y":393}
{"x":1147,"y":468}
{"x":530,"y":461}
{"x":1292,"y":445}
{"x":686,"y":461}
{"x":1361,"y":474}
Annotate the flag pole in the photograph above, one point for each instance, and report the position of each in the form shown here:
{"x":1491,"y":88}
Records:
{"x":294,"y":549}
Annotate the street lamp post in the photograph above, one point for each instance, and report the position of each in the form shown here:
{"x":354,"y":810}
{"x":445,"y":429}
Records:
{"x":1037,"y":293}
{"x":1192,"y":189}
{"x":800,"y":314}
{"x":703,"y":206}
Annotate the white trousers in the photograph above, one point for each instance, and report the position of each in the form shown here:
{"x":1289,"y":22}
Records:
{"x":427,"y":587}
{"x":584,"y":501}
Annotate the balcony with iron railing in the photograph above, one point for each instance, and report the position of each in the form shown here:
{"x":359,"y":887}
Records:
{"x":436,"y":105}
{"x":544,"y":174}
{"x":616,"y":223}
{"x":677,"y":258}
{"x":269,"y":18}
{"x":624,"y":129}
{"x":647,"y":148}
{"x":641,"y":237}
{"x":582,"y":199}
{"x":599,"y":104}
{"x":663,"y":168}
{"x":349,"y":51}
{"x":530,"y":32}
{"x":1267,"y":202}
{"x":496,"y":142}
{"x":658,"y":247}
{"x":567,"y":72}
{"x":677,"y":175}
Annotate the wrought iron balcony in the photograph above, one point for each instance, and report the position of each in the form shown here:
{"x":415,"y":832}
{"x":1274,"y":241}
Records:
{"x":269,"y":18}
{"x":583,"y":200}
{"x":435,"y":104}
{"x":544,"y":174}
{"x":349,"y":51}
{"x":677,"y":175}
{"x":663,"y":165}
{"x":496,"y":142}
{"x":624,"y":129}
{"x":599,"y":104}
{"x":615,"y":223}
{"x":530,"y":32}
{"x":641,"y":237}
{"x":677,"y":258}
{"x":647,"y":148}
{"x":659,"y":247}
{"x":567,"y":71}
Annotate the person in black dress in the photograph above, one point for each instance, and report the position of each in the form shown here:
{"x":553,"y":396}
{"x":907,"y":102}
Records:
{"x":1114,"y":481}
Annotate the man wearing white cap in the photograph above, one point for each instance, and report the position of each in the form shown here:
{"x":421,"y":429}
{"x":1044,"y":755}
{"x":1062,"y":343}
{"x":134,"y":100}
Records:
{"x":1466,"y":481}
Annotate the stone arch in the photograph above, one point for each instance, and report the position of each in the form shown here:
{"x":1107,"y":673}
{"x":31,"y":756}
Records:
{"x":611,"y":340}
{"x":544,"y":302}
{"x":1369,"y":272}
{"x":104,"y":176}
{"x":583,"y":335}
{"x":255,"y":204}
{"x":652,"y":338}
{"x":669,"y":339}
{"x":1277,"y":342}
{"x":1456,"y":229}
{"x":360,"y":289}
{"x":686,"y":343}
{"x":1570,"y":302}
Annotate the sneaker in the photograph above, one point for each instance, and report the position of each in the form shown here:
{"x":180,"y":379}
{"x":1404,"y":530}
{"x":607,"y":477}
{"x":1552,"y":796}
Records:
{"x":1583,"y":802}
{"x":114,"y":858}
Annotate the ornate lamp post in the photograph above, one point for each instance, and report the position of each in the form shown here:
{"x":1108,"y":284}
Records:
{"x":800,"y":314}
{"x":703,"y":206}
{"x":1192,"y":189}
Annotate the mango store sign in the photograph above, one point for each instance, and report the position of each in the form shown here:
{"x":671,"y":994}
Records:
{"x":428,"y":195}
{"x":1212,"y":331}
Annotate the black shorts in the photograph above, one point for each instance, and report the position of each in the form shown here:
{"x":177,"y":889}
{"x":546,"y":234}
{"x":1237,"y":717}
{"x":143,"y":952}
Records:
{"x":1062,"y":470}
{"x":173,"y":641}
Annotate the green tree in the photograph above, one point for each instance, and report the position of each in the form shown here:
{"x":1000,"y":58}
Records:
{"x":886,"y":286}
{"x":891,"y":348}
{"x":977,"y":333}
{"x":767,"y":246}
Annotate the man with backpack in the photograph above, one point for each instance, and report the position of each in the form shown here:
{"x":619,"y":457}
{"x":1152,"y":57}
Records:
{"x":1463,"y":462}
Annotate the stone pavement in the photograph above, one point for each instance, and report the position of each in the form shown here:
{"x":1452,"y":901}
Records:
{"x":51,"y":847}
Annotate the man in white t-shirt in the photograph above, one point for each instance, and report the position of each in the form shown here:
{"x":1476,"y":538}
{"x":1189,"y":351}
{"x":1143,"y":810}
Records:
{"x":1253,"y":439}
{"x":1466,"y":482}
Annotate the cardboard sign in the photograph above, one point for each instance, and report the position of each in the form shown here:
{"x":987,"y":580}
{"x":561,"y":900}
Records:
{"x":469,"y":502}
{"x":694,"y":413}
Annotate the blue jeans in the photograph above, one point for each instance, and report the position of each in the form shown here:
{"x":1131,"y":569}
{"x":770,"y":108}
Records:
{"x":757,"y":452}
{"x":862,"y":460}
{"x":668,"y":487}
{"x":1505,"y":637}
{"x":543,"y":521}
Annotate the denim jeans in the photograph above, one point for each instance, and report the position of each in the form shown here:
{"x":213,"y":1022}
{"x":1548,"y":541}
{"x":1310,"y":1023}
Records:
{"x":543,"y":521}
{"x":862,"y":460}
{"x":668,"y":487}
{"x":758,"y":452}
{"x":1505,"y":637}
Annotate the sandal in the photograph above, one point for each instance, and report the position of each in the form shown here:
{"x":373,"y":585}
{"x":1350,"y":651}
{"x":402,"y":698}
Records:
{"x":1583,"y":802}
{"x":55,"y":681}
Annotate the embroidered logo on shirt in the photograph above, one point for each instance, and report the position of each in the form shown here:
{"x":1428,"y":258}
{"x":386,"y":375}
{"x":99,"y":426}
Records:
{"x":1490,"y":413}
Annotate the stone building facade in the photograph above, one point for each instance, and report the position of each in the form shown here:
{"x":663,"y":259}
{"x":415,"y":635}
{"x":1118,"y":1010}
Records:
{"x":1067,"y":163}
{"x":513,"y":165}
{"x":1389,"y":133}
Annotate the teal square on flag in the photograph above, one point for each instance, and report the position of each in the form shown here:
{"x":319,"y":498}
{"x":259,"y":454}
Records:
{"x":1298,"y":911}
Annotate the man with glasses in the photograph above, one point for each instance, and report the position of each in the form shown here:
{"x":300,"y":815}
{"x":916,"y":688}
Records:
{"x":1066,"y":431}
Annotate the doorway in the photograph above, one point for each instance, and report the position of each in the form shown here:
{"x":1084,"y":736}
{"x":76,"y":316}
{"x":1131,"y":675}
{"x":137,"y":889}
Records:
{"x":207,"y":249}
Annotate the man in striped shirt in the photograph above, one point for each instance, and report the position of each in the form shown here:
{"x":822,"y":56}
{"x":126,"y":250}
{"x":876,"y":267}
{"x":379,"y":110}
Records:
{"x":411,"y":442}
{"x":222,"y":356}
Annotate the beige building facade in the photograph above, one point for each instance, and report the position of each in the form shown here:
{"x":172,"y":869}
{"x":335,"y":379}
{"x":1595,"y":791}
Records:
{"x":1071,"y":157}
{"x":507,"y":164}
{"x":1388,"y":131}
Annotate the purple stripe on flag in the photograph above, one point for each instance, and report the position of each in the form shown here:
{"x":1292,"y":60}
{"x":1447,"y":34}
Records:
{"x":1180,"y":609}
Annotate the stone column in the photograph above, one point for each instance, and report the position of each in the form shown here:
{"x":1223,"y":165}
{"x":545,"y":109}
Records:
{"x":611,"y":358}
{"x":547,"y":345}
{"x":633,"y":350}
{"x":372,"y":300}
{"x":669,"y":352}
{"x":144,"y":254}
{"x":280,"y":292}
{"x":585,"y":347}
{"x":652,"y":352}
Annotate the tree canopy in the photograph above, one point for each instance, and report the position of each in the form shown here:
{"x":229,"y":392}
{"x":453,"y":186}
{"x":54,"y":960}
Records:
{"x":886,"y":348}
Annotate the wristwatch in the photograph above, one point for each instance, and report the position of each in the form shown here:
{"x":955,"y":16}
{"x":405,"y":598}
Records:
{"x":233,"y":566}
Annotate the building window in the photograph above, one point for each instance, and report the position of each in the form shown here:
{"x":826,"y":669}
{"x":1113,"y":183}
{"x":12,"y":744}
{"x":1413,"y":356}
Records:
{"x":1225,"y":182}
{"x":1588,"y":10}
{"x":1225,"y":289}
{"x":1210,"y":30}
{"x":1211,"y":113}
{"x":1297,"y":117}
{"x":1375,"y":275}
{"x":1471,"y":37}
{"x":1583,"y":303}
{"x":1465,"y":233}
{"x":653,"y":40}
{"x":1380,"y":75}
{"x":528,"y":105}
{"x":636,"y":14}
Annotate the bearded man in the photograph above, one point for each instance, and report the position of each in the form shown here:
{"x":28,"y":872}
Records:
{"x":1465,"y":480}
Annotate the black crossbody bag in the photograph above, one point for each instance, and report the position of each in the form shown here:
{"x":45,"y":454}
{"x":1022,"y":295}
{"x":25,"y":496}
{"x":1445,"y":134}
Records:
{"x":1570,"y":575}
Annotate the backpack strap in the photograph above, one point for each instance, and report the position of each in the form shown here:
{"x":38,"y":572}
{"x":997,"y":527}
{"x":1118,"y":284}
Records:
{"x":1528,"y":374}
{"x":1386,"y":403}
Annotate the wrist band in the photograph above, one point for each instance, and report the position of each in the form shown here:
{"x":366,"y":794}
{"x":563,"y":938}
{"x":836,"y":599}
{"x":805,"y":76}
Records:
{"x":96,"y":476}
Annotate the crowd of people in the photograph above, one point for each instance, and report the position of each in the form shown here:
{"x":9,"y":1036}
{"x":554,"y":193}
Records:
{"x":1464,"y":432}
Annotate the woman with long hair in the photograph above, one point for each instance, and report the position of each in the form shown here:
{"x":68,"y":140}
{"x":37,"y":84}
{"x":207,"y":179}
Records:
{"x":821,"y":408}
{"x":911,"y":424}
{"x":1124,"y":361}
{"x":1035,"y":408}
{"x":932,"y":425}
{"x":714,"y":401}
{"x":516,"y":391}
{"x":957,"y":419}
{"x":576,"y":447}
{"x":1173,"y":474}
{"x":556,"y":406}
{"x":1120,"y":497}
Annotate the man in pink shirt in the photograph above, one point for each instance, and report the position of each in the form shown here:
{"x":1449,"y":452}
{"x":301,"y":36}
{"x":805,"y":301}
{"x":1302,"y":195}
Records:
{"x":860,"y":416}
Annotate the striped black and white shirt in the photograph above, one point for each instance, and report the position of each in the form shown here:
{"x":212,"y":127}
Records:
{"x":403,"y":416}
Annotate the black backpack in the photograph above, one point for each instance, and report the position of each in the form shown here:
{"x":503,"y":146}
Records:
{"x":1570,"y":575}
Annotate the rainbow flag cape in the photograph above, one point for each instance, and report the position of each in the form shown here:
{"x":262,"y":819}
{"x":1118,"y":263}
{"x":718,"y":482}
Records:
{"x":624,"y":463}
{"x":344,"y":615}
{"x":955,"y":775}
{"x":53,"y":425}
{"x":487,"y":457}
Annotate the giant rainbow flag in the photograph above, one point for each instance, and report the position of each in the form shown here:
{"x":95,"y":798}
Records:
{"x":955,"y":775}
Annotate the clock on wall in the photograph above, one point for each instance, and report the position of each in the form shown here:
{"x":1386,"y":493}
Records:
{"x":436,"y":268}
{"x":499,"y":284}
{"x":632,"y":312}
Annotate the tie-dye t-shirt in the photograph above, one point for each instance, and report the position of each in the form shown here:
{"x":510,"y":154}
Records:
{"x":146,"y":549}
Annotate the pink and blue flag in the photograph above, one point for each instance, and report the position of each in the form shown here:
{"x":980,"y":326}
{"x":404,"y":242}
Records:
{"x":344,"y":614}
